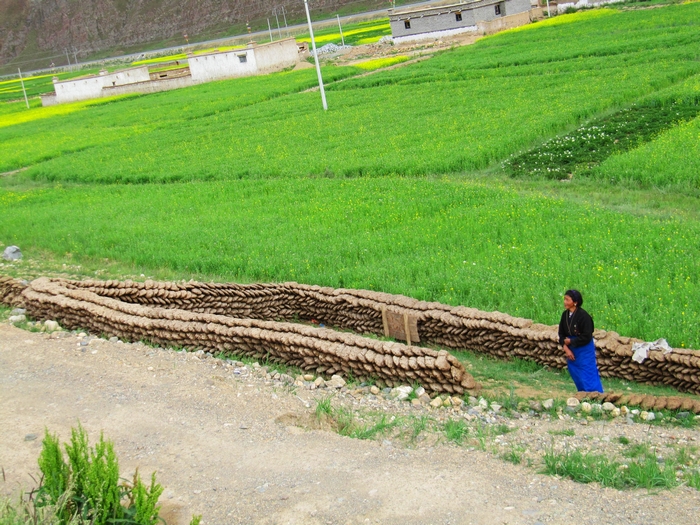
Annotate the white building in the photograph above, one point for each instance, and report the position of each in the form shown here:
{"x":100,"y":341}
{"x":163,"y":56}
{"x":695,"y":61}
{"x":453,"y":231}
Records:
{"x":253,"y":60}
{"x":87,"y":88}
{"x":473,"y":16}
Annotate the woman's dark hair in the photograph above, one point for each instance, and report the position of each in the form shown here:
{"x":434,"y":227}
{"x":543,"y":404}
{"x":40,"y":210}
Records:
{"x":575,"y":296}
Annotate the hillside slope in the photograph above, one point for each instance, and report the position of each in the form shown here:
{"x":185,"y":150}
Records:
{"x":36,"y":30}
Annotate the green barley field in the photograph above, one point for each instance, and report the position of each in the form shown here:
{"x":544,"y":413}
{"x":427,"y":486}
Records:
{"x":497,"y":175}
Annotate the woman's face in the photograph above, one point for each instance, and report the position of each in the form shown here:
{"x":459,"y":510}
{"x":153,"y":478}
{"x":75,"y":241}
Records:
{"x":568,"y":302}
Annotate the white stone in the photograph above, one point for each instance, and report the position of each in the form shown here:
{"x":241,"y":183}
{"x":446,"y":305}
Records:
{"x":643,"y":414}
{"x":608,"y":407}
{"x":51,"y":326}
{"x":374,"y":390}
{"x":457,"y":402}
{"x":420,"y":391}
{"x":436,"y":403}
{"x":308,"y":377}
{"x":586,"y":407}
{"x":401,"y":392}
{"x":335,"y":382}
{"x":12,"y":253}
{"x":483,"y":403}
{"x":548,"y":403}
{"x":17,"y":318}
{"x":572,"y":402}
{"x":624,"y":410}
{"x":615,"y":412}
{"x":495,"y":407}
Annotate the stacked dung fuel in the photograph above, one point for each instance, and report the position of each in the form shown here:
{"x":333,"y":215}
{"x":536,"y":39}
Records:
{"x":493,"y":333}
{"x":322,"y":350}
{"x":645,"y":401}
{"x":11,"y":291}
{"x":368,"y":312}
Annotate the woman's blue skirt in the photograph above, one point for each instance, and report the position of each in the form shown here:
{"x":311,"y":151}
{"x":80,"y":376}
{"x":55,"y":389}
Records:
{"x":584,"y":370}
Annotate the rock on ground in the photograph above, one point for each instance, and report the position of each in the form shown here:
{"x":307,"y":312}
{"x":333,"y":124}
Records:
{"x":12,"y":253}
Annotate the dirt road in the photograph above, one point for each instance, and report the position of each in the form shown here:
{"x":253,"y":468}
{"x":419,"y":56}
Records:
{"x":223,"y":447}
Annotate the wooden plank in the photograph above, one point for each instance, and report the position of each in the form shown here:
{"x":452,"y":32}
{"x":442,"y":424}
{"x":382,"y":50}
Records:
{"x":385,"y":322}
{"x":397,"y":326}
{"x":407,"y":329}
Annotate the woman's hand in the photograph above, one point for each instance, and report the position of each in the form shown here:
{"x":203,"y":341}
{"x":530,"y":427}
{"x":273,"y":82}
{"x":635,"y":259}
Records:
{"x":567,"y":341}
{"x":569,"y":354}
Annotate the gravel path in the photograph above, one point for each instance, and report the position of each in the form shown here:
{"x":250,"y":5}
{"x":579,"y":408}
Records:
{"x":223,"y":447}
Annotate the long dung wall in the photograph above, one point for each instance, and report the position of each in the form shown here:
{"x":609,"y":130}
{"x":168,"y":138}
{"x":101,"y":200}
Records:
{"x":320,"y":349}
{"x":493,"y":333}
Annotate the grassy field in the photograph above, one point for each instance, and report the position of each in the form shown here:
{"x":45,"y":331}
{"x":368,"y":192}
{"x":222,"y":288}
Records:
{"x":673,"y":158}
{"x":357,"y":33}
{"x":474,"y":107}
{"x":399,"y":186}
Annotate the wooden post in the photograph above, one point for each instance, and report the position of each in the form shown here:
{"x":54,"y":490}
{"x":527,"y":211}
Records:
{"x":385,"y":322}
{"x":407,"y":328}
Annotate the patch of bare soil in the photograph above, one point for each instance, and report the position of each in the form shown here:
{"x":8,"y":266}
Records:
{"x":237,"y":449}
{"x":425,"y":48}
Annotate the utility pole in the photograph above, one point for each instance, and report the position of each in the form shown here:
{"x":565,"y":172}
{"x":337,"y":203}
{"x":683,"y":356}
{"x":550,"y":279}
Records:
{"x":269,"y":28}
{"x":26,"y":100}
{"x":342,"y":38}
{"x":75,"y":55}
{"x":67,"y":57}
{"x":318,"y":66}
{"x":284,"y":14}
{"x":279,"y":31}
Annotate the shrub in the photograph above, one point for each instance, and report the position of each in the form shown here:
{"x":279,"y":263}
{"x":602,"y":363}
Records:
{"x":85,"y":488}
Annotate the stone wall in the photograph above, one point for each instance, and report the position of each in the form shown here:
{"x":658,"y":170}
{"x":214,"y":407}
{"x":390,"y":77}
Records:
{"x":362,"y":311}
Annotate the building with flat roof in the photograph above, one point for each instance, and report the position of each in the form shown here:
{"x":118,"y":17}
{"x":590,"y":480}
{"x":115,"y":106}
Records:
{"x":252,"y":60}
{"x":445,"y":20}
{"x":244,"y":61}
{"x":89,"y":87}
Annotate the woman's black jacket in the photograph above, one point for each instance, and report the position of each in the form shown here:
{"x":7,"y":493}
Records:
{"x":579,"y":325}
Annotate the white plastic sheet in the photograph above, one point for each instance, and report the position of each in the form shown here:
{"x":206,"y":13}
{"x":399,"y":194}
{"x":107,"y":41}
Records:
{"x":641,"y":350}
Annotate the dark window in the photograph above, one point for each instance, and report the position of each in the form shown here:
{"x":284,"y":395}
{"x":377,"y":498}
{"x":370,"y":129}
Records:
{"x":407,"y":24}
{"x":242,"y":58}
{"x":458,"y":17}
{"x":498,"y":9}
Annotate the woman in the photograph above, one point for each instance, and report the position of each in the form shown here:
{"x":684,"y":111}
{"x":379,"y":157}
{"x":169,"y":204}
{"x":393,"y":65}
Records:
{"x":576,"y":335}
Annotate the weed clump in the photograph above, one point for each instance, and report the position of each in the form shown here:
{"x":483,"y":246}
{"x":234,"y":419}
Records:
{"x":83,"y":487}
